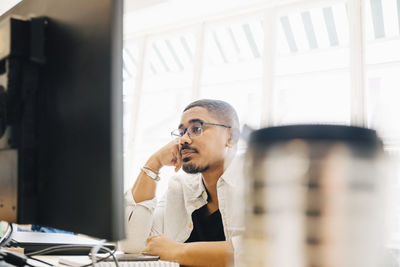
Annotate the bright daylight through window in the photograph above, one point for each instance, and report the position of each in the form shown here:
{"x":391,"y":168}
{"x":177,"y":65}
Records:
{"x":277,"y":64}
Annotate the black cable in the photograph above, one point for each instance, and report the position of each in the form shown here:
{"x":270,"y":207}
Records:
{"x":14,"y":258}
{"x":18,"y":259}
{"x":39,"y":260}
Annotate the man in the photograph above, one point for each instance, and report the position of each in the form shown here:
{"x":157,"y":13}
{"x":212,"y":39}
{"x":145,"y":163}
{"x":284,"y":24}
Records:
{"x":197,"y":223}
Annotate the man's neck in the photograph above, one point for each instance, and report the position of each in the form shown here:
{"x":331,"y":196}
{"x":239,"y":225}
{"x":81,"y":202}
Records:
{"x":210,"y":181}
{"x":211,"y":177}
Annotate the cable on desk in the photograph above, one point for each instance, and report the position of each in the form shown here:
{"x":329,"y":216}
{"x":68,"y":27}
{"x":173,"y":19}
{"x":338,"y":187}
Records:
{"x":76,"y":247}
{"x":21,"y":260}
{"x":96,"y":249}
{"x":39,"y":260}
{"x":103,"y":259}
{"x":5,"y":239}
{"x":13,"y":258}
{"x":65,"y":248}
{"x":17,"y":259}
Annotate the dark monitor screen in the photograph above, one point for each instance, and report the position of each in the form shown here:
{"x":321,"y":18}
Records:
{"x":61,"y":158}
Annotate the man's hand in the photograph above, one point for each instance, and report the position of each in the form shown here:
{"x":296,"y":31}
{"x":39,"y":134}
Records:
{"x":168,"y":155}
{"x":204,"y":254}
{"x":164,"y":247}
{"x":145,"y":187}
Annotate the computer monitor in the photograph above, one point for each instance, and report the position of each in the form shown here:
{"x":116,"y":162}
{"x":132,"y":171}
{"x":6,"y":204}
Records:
{"x":61,"y":151}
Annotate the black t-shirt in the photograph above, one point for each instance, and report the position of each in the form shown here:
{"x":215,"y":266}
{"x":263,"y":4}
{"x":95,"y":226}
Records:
{"x":206,"y":227}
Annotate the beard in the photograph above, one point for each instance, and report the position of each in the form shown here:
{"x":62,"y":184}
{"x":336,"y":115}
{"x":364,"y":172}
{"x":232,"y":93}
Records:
{"x":192,"y":169}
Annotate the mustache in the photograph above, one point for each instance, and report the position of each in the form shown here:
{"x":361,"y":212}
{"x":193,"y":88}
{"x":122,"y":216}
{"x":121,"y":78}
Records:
{"x":187,"y":147}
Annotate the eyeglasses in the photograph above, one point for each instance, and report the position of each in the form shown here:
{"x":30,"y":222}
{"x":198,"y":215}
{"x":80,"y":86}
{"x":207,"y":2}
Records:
{"x":195,"y":129}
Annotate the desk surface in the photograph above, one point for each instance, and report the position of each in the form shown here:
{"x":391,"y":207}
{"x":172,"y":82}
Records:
{"x":83,"y":260}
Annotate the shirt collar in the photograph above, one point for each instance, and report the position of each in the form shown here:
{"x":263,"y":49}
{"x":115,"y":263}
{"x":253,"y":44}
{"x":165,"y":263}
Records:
{"x":234,"y":171}
{"x":201,"y":189}
{"x":231,"y":175}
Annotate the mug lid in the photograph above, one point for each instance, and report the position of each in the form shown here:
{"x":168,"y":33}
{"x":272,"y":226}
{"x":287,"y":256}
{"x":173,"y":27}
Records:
{"x":312,"y":132}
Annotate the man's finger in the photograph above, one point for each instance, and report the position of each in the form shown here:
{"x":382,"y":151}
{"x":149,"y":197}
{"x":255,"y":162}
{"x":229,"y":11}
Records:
{"x":178,"y":163}
{"x":149,"y":239}
{"x":146,"y":248}
{"x":178,"y":166}
{"x":145,"y":251}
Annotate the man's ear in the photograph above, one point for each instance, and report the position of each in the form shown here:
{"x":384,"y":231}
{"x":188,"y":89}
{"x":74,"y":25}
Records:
{"x":233,"y":138}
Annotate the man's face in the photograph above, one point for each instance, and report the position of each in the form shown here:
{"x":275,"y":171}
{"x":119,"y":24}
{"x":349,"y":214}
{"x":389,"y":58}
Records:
{"x":204,"y":152}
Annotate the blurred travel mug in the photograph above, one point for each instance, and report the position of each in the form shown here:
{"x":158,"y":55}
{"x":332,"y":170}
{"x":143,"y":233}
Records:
{"x":315,"y":197}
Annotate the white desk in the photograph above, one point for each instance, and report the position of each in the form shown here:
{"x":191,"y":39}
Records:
{"x":63,"y":261}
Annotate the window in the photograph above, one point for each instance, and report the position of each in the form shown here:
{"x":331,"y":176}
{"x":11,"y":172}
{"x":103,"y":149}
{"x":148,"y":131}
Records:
{"x":232,"y":62}
{"x":165,"y":91}
{"x":383,"y":68}
{"x":312,"y":66}
{"x":382,"y":27}
{"x":277,"y":64}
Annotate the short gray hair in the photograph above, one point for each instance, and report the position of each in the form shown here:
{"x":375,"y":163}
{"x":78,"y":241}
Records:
{"x":219,"y":109}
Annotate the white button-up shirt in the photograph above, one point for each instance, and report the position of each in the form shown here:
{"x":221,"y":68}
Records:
{"x":172,"y":215}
